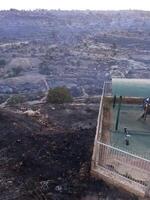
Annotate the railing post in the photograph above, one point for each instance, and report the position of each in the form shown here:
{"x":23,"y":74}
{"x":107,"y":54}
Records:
{"x":147,"y":192}
{"x":118,"y":113}
{"x":95,"y":156}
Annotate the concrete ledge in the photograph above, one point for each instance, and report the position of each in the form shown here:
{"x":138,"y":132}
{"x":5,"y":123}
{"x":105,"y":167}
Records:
{"x":127,"y":100}
{"x":119,"y":181}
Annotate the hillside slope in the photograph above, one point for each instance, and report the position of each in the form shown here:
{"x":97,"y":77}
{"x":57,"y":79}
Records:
{"x":45,"y":161}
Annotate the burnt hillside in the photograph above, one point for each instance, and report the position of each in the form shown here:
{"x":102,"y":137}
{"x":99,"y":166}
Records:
{"x":42,"y":160}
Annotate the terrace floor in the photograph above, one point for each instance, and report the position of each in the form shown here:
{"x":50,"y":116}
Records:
{"x":138,"y":129}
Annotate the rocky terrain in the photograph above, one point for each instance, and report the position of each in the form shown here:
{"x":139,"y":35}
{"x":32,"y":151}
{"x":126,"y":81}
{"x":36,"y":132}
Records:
{"x":42,"y":49}
{"x":47,"y":156}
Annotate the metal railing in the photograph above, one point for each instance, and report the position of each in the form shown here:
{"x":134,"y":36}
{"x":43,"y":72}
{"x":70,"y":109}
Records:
{"x":107,"y":88}
{"x":100,"y":116}
{"x":119,"y":162}
{"x":123,"y":163}
{"x":98,"y":130}
{"x":106,"y":91}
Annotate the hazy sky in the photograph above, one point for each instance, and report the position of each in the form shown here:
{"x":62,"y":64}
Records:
{"x":76,"y":4}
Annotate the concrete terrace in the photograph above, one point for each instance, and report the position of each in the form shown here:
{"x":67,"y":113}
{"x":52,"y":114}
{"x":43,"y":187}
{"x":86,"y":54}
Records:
{"x":125,"y":166}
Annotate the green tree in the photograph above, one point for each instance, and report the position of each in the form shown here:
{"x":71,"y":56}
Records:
{"x":59,"y":95}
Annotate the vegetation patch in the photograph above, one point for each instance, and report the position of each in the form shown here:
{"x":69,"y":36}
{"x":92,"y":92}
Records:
{"x":2,"y":63}
{"x":59,"y":95}
{"x":16,"y":99}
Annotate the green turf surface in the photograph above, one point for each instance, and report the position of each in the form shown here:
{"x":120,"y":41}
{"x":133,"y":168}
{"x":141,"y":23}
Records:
{"x":138,"y":129}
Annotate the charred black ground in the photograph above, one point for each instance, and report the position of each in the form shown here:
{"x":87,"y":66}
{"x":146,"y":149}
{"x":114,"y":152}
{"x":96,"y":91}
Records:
{"x":47,"y":160}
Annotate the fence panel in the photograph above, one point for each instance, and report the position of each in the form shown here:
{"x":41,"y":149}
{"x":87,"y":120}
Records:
{"x":126,"y":164}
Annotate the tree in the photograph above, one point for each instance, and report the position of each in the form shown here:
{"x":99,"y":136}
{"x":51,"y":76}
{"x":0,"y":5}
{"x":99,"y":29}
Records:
{"x":114,"y":49}
{"x":2,"y":63}
{"x":59,"y":95}
{"x":16,"y":70}
{"x":44,"y":69}
{"x":16,"y":99}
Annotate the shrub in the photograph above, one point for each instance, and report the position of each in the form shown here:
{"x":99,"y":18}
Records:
{"x":43,"y":69}
{"x":2,"y":63}
{"x":59,"y":95}
{"x":16,"y":99}
{"x":16,"y":71}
